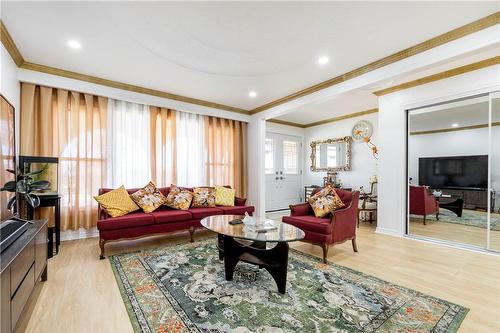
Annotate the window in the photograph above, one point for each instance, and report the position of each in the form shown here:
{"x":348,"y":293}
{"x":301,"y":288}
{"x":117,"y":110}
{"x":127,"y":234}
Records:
{"x":331,"y":156}
{"x":290,"y":157}
{"x":269,"y":156}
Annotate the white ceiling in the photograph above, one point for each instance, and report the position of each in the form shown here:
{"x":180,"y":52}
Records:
{"x":464,"y":113}
{"x":219,"y":51}
{"x":364,"y":99}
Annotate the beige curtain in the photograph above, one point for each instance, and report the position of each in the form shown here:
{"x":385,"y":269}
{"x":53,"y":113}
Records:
{"x":163,"y":146}
{"x":6,"y":152}
{"x":226,"y":156}
{"x":71,"y":126}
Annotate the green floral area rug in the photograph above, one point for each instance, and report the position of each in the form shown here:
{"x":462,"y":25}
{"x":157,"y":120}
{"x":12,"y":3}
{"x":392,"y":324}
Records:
{"x":469,"y":217}
{"x":181,"y":288}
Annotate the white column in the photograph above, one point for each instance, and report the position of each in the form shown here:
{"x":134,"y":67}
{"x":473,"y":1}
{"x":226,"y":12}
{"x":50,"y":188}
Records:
{"x":256,"y":176}
{"x":391,"y":212}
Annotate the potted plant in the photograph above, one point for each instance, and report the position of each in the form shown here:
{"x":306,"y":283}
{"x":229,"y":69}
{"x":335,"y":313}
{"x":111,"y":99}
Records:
{"x":26,"y":186}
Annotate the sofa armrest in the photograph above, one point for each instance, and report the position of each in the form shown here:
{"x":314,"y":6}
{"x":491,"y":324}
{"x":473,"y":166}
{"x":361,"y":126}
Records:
{"x":345,"y":220}
{"x":240,"y":201}
{"x":302,"y":209}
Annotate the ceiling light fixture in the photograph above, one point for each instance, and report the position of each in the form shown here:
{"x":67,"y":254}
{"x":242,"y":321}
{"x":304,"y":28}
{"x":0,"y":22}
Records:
{"x":323,"y":60}
{"x":75,"y":45}
{"x":252,"y":94}
{"x":454,"y":125}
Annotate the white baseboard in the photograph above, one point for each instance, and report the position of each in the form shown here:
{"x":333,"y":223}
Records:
{"x":79,"y":234}
{"x":389,"y":232}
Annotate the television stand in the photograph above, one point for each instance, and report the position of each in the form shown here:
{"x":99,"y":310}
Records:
{"x":472,"y":198}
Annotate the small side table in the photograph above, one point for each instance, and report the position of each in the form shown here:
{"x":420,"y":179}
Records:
{"x":50,"y":201}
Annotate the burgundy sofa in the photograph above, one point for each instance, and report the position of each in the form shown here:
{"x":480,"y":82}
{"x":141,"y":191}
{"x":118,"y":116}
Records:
{"x":163,"y":220}
{"x":422,"y":202}
{"x":336,"y":228}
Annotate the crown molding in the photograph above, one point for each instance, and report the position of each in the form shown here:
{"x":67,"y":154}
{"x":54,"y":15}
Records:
{"x":447,"y":37}
{"x":9,"y":44}
{"x":126,"y":86}
{"x":440,"y":76}
{"x":287,"y":123}
{"x":326,"y":121}
{"x":446,"y":130}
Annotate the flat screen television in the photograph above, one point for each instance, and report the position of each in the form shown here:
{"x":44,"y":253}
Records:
{"x":7,"y":154}
{"x":454,"y":172}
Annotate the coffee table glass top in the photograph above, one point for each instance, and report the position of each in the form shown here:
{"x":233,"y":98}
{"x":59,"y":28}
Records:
{"x":220,"y":224}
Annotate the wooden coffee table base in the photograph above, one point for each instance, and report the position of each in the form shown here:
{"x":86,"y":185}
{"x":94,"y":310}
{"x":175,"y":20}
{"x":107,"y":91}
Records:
{"x":274,"y":260}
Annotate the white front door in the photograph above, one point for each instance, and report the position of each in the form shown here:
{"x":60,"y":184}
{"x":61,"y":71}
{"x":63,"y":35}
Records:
{"x":283,"y":171}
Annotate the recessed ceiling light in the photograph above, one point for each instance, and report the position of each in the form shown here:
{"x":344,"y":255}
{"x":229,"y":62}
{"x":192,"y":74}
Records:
{"x":454,"y":125}
{"x":75,"y":45}
{"x":323,"y":60}
{"x":252,"y":94}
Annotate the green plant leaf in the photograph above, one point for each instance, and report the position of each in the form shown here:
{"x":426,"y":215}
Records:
{"x":40,"y":185}
{"x":33,"y":200}
{"x":32,"y":173}
{"x":11,"y":202}
{"x":9,"y":186}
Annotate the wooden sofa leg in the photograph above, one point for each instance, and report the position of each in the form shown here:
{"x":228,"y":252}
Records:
{"x":325,"y":252}
{"x":101,"y":245}
{"x":354,"y":246}
{"x":437,"y":216}
{"x":191,"y":234}
{"x":425,"y":223}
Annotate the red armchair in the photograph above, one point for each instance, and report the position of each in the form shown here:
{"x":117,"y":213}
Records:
{"x":333,"y":229}
{"x":423,"y":203}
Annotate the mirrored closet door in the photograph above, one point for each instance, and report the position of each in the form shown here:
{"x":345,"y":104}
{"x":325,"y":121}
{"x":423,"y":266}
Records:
{"x":453,"y":171}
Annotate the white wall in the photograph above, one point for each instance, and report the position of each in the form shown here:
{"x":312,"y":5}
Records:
{"x":9,"y":85}
{"x":392,"y":137}
{"x":364,"y":165}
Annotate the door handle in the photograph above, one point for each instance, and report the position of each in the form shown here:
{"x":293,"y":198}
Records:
{"x":276,"y":178}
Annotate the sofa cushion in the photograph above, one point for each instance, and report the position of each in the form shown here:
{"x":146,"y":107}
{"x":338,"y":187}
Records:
{"x":224,"y":196}
{"x":237,"y":210}
{"x":310,"y":223}
{"x":203,"y":197}
{"x":149,"y":198}
{"x":166,"y":216}
{"x":199,"y":213}
{"x":325,"y":201}
{"x":126,"y":221}
{"x":179,"y":199}
{"x":117,"y":202}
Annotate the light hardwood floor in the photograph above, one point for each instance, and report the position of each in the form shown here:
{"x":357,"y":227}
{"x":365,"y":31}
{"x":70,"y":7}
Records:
{"x":81,"y":294}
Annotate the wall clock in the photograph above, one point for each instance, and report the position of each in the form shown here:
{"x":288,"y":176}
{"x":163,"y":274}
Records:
{"x":361,"y":130}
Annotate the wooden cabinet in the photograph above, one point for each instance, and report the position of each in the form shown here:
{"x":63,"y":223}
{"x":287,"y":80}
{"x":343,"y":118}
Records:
{"x":23,"y":264}
{"x":473,"y":199}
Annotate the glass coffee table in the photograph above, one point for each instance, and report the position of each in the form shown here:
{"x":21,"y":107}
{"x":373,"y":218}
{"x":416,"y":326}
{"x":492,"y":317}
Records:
{"x":239,"y":243}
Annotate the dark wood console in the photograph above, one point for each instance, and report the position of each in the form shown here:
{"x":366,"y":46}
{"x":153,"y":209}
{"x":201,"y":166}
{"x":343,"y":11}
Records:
{"x":22,"y":265}
{"x":473,"y":199}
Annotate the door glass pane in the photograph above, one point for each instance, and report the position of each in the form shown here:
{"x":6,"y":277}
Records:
{"x":290,"y":151}
{"x":495,"y":172}
{"x":269,"y":156}
{"x":448,"y":171}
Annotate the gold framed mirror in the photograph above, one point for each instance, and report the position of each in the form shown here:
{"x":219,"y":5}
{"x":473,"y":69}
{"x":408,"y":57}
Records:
{"x":331,"y":155}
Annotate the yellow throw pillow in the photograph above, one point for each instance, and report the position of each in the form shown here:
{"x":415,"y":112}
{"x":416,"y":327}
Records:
{"x":117,"y":202}
{"x":204,"y":197}
{"x":149,"y":198}
{"x":224,"y":196}
{"x":179,"y":199}
{"x":325,"y":201}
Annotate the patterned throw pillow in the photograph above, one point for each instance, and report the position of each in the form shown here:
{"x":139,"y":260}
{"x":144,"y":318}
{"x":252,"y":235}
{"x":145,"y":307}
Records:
{"x":224,"y":196}
{"x":117,"y":202}
{"x":149,"y":198}
{"x":325,"y":201}
{"x":179,"y":199}
{"x":204,"y":197}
